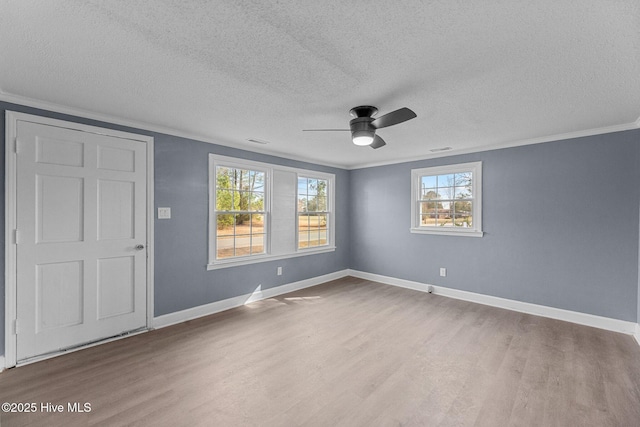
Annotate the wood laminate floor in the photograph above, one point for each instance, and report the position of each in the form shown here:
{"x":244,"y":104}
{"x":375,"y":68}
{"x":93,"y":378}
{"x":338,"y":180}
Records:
{"x":346,"y":353}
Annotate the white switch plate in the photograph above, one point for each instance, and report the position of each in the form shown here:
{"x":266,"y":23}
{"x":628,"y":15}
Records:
{"x":443,"y":272}
{"x":164,"y":213}
{"x":279,"y":272}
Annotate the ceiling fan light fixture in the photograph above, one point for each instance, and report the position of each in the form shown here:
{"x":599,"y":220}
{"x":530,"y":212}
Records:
{"x":362,"y":137}
{"x":363,"y":126}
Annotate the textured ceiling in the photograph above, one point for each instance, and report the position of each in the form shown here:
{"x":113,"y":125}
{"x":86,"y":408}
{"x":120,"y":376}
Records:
{"x":479,"y":75}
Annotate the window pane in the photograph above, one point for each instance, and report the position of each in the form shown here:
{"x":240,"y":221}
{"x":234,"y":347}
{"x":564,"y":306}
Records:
{"x":241,"y":200}
{"x":321,"y":203}
{"x":315,"y":203}
{"x":322,"y":221}
{"x":302,"y":204}
{"x":224,"y":200}
{"x":243,"y":244}
{"x":253,"y":179}
{"x":312,"y":187}
{"x":257,"y":223}
{"x":314,"y":237}
{"x":223,"y":177}
{"x":242,"y":223}
{"x":225,"y":224}
{"x":244,"y":179}
{"x":303,"y":222}
{"x":322,"y":236}
{"x":224,"y":246}
{"x":302,"y":186}
{"x":463,"y":221}
{"x":314,"y":221}
{"x":446,"y":192}
{"x":257,"y":245}
{"x":234,"y":176}
{"x":446,"y":180}
{"x":429,"y":207}
{"x":322,"y":187}
{"x":428,"y":182}
{"x":245,"y":200}
{"x":257,"y":201}
{"x":303,"y":231}
{"x":429,"y":194}
{"x":258,"y":181}
{"x":235,"y":200}
{"x":463,"y":178}
{"x":463,"y":208}
{"x":462,"y":192}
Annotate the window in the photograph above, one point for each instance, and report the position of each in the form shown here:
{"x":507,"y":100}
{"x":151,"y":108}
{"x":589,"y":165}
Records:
{"x":447,"y":200}
{"x":261,"y":212}
{"x":240,"y":212}
{"x":312,"y":212}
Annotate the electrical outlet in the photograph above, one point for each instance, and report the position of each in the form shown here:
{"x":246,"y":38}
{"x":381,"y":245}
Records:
{"x":443,"y":272}
{"x":279,"y":271}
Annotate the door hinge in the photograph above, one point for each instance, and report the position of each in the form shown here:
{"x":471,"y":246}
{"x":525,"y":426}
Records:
{"x":15,"y":236}
{"x":15,"y":145}
{"x":15,"y":326}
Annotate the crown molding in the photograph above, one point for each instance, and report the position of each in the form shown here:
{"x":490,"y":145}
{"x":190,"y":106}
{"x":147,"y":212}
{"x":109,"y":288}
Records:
{"x":144,"y":126}
{"x":86,"y":114}
{"x":518,"y":143}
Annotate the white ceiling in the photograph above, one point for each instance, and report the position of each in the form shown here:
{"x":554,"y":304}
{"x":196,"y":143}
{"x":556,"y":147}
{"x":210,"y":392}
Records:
{"x":479,"y":75}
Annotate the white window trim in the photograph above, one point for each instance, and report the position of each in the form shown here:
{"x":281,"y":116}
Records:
{"x":476,"y":230}
{"x":269,"y":168}
{"x":239,"y":164}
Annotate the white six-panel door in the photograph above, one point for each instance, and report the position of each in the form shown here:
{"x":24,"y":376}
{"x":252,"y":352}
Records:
{"x":81,"y":256}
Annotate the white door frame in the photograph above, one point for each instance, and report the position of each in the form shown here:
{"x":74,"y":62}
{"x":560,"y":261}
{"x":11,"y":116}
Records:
{"x":10,"y":288}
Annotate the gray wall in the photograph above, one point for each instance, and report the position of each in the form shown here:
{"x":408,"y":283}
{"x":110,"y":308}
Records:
{"x":181,"y":175}
{"x":561,"y":224}
{"x":182,"y":281}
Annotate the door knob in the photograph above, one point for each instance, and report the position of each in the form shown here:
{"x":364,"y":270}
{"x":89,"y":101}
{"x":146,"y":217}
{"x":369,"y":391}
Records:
{"x":139,"y":247}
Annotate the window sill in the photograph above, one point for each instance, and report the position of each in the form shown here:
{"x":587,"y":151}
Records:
{"x":264,"y":258}
{"x":448,"y":232}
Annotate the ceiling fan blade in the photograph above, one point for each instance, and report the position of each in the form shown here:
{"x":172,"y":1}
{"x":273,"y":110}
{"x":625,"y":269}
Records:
{"x":326,"y":130}
{"x":393,"y":118}
{"x":377,"y":142}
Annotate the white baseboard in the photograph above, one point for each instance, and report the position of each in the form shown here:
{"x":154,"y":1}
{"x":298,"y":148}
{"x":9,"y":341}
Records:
{"x":607,"y":323}
{"x":2,"y":363}
{"x":258,"y":294}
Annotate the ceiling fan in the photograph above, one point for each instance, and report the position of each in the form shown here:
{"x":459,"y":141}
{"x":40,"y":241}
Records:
{"x":363,"y":126}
